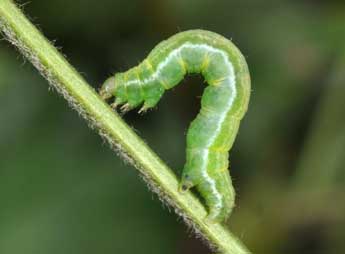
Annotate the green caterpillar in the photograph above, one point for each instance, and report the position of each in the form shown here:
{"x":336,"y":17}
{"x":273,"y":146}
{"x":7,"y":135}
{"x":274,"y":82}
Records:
{"x":223,"y":104}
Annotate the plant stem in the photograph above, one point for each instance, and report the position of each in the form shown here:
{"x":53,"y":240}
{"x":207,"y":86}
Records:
{"x":60,"y":74}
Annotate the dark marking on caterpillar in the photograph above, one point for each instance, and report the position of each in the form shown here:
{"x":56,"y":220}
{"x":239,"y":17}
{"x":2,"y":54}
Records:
{"x":223,"y":105}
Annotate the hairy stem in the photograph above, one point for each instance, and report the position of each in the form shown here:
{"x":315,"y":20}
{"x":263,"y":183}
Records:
{"x":61,"y":75}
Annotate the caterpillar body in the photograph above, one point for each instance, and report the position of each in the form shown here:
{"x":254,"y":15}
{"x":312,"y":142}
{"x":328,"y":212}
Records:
{"x":223,"y":104}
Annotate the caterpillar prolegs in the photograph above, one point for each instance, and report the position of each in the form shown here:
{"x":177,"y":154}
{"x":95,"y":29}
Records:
{"x":223,"y":104}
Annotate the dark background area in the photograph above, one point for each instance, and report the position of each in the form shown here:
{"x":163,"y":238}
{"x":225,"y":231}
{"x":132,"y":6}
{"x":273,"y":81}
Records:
{"x":62,"y":190}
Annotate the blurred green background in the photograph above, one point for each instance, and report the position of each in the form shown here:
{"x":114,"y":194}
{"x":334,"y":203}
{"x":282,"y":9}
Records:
{"x":63,"y":191}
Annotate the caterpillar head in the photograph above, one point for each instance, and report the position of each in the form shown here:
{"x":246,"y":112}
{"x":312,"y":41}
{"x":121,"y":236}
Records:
{"x":108,"y":88}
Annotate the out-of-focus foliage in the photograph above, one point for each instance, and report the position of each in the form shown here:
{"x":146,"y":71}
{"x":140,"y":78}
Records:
{"x":63,"y":191}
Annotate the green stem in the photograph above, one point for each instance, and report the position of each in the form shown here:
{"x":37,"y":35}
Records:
{"x":54,"y":67}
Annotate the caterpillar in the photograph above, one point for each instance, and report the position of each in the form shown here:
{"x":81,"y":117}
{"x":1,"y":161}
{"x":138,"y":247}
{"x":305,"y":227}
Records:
{"x":223,"y":104}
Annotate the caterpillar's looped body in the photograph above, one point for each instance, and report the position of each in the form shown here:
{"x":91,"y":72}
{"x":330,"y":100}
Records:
{"x":223,"y":104}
